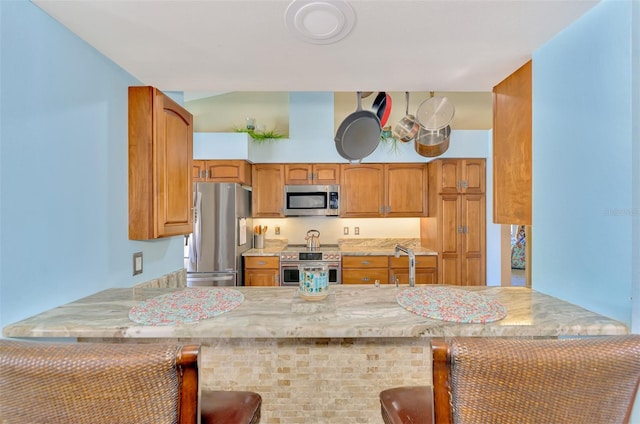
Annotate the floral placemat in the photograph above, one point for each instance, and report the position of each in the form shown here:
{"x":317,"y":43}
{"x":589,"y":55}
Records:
{"x":188,"y":305}
{"x":451,"y":304}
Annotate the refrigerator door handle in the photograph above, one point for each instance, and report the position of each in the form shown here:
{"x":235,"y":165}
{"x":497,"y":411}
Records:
{"x":196,"y":238}
{"x":225,"y":278}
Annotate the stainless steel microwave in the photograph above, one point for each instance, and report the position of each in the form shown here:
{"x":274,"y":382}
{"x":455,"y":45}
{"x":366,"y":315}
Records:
{"x":312,"y":200}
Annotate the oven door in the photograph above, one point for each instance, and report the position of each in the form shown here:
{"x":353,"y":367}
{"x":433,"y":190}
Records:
{"x":290,"y":276}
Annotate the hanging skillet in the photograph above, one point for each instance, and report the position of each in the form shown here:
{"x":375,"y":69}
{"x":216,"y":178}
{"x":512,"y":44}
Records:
{"x":359,"y":134}
{"x":382,"y":107}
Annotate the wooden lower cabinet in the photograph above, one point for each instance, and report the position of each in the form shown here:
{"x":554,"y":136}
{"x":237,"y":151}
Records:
{"x":368,"y":269}
{"x":261,"y":271}
{"x":365,"y":269}
{"x":426,"y":269}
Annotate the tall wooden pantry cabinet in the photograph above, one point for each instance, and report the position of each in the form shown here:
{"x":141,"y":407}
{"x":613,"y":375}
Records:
{"x":456,"y":227}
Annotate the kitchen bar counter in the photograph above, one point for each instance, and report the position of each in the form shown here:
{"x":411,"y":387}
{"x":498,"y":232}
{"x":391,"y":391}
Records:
{"x":353,"y":311}
{"x":313,"y":362}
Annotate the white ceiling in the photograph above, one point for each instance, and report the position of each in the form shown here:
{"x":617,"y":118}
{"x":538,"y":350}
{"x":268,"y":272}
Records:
{"x":244,"y":45}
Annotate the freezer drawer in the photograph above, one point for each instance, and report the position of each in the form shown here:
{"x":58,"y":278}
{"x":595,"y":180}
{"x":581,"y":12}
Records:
{"x":211,"y":279}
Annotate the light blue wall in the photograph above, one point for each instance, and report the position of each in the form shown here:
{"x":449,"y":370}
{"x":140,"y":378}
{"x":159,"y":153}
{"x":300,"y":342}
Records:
{"x":63,"y":170}
{"x":584,"y":160}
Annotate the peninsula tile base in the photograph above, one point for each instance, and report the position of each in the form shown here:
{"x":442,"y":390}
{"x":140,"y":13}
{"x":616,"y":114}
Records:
{"x":305,"y":381}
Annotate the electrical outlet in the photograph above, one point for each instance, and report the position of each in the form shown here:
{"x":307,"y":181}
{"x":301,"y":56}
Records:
{"x":277,"y":231}
{"x":345,"y":231}
{"x":137,"y":263}
{"x":356,"y":230}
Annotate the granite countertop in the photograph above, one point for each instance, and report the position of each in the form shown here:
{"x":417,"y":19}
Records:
{"x":351,"y":311}
{"x":351,"y":247}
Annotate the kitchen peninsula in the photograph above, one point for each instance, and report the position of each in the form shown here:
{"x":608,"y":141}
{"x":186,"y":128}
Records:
{"x":313,"y":361}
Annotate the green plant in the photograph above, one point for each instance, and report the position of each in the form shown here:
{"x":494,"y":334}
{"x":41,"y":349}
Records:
{"x":260,"y":136}
{"x":392,"y":142}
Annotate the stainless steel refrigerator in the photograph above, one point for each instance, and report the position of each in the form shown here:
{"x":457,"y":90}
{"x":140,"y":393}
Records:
{"x":221,"y":233}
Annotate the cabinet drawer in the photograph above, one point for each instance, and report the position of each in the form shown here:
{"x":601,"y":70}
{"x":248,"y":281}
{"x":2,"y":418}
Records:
{"x":422,"y":261}
{"x":364,"y":262}
{"x":258,"y":262}
{"x":364,"y":276}
{"x":424,"y":276}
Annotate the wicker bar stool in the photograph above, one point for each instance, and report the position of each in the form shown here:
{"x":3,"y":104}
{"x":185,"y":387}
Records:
{"x":111,"y":383}
{"x":499,"y":380}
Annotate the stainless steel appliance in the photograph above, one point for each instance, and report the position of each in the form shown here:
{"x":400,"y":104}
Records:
{"x":312,"y":200}
{"x":221,"y":233}
{"x":293,"y":256}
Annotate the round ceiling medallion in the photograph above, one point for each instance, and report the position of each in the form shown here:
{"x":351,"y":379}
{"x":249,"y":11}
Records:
{"x":320,"y":22}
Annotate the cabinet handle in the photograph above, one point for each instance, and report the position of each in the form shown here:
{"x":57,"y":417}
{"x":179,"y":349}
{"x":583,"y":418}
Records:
{"x":388,"y":209}
{"x":206,"y":174}
{"x":365,"y":262}
{"x":276,"y":279}
{"x":460,"y":230}
{"x":366,"y":279}
{"x":466,"y":229}
{"x":262,"y":263}
{"x":459,"y":184}
{"x":202,"y":173}
{"x":465,"y":184}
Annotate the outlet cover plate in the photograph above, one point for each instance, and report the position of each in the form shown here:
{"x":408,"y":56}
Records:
{"x":137,"y":263}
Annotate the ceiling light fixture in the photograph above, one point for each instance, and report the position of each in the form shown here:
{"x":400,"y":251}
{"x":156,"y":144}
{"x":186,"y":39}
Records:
{"x":320,"y":22}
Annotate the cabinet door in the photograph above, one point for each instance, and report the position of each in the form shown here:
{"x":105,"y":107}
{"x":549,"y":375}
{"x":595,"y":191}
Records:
{"x":473,"y":239}
{"x":449,"y":178}
{"x":473,"y":176}
{"x":298,"y":173}
{"x":365,"y":275}
{"x":512,"y":148}
{"x":160,"y":165}
{"x":199,"y":171}
{"x":326,"y":173}
{"x":362,"y":190}
{"x":406,"y":193}
{"x":423,"y":276}
{"x":268,"y":191}
{"x":450,"y":235}
{"x":261,"y":277}
{"x":229,"y":171}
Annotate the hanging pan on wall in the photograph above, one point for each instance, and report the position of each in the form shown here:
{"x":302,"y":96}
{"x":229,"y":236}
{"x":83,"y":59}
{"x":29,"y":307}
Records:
{"x":359,"y":134}
{"x":434,"y":116}
{"x":432,"y":143}
{"x":435,"y":113}
{"x":407,"y":128}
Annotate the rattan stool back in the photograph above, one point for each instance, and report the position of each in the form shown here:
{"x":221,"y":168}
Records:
{"x":49,"y":382}
{"x":499,"y":380}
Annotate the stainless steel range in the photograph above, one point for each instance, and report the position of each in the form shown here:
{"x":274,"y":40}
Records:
{"x":293,"y":256}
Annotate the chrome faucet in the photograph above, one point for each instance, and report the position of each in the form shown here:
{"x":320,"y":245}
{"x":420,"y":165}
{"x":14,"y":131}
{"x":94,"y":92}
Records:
{"x":412,"y":263}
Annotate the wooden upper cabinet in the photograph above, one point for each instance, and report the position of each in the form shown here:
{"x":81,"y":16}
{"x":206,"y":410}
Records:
{"x":267,"y":199}
{"x":160,"y":165}
{"x":512,"y":154}
{"x":383,"y":190}
{"x":362,"y":190}
{"x":406,"y":189}
{"x":460,"y":176}
{"x":307,"y":173}
{"x":222,"y":171}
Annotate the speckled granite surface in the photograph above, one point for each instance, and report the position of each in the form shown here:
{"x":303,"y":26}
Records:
{"x":354,"y":311}
{"x":351,"y":247}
